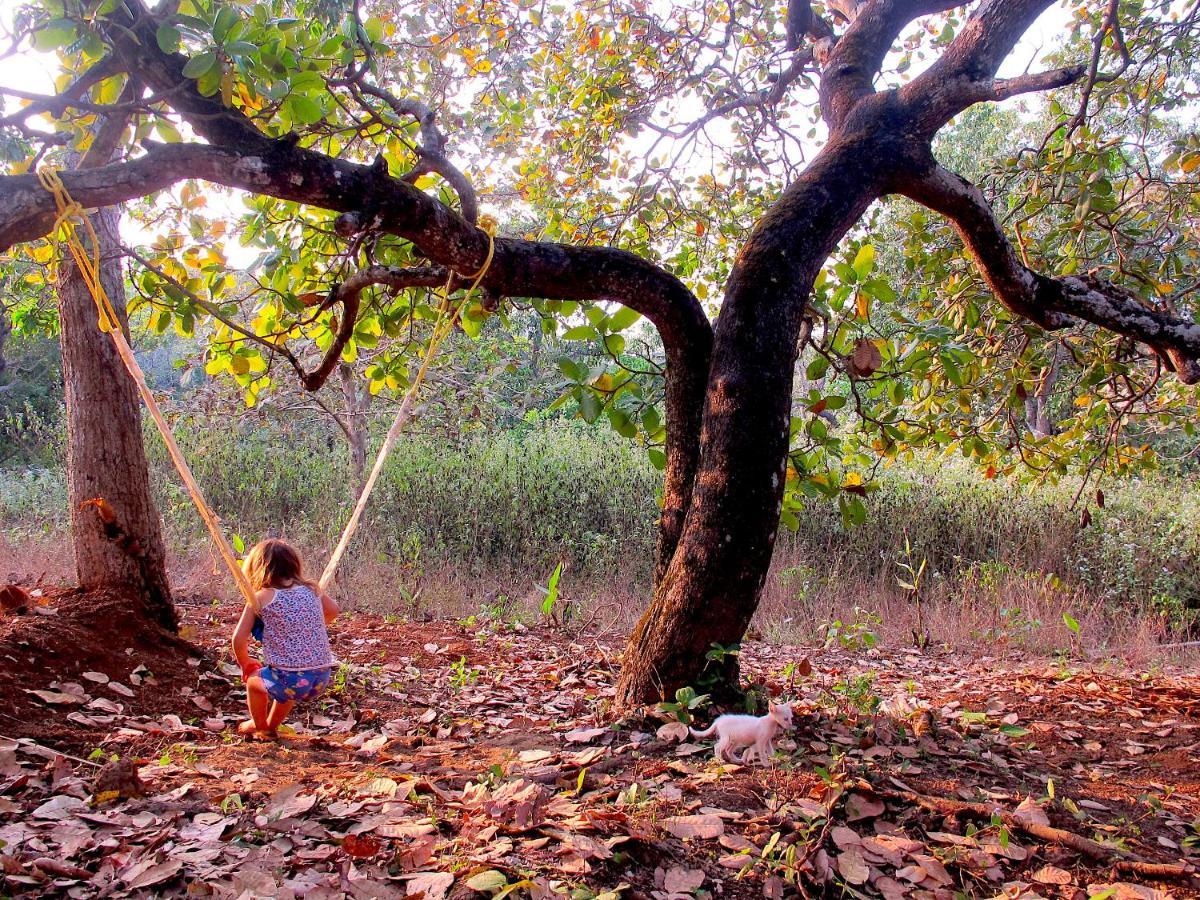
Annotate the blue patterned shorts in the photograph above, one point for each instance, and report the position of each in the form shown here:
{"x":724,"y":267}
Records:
{"x":284,"y":686}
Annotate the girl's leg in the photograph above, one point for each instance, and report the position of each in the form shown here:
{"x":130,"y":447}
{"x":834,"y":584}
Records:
{"x":279,"y":712}
{"x":256,"y":702}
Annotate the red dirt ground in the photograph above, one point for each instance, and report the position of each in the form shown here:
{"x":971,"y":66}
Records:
{"x":452,"y":749}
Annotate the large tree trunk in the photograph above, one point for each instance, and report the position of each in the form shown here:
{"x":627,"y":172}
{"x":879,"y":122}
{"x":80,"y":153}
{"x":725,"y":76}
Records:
{"x":105,"y":455}
{"x":712,"y":584}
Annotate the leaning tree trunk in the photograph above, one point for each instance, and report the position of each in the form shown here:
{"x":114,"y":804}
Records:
{"x":711,"y":587}
{"x":105,"y":455}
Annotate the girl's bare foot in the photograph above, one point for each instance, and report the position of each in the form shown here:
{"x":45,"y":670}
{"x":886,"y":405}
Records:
{"x":249,"y":732}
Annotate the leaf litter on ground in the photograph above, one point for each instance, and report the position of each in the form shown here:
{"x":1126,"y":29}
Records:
{"x":411,"y":779}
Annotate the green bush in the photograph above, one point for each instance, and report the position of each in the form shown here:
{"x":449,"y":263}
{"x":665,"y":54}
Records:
{"x":523,"y":500}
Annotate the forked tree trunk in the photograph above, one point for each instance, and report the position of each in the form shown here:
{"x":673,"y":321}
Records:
{"x":711,"y":587}
{"x":105,"y":455}
{"x":1037,"y":405}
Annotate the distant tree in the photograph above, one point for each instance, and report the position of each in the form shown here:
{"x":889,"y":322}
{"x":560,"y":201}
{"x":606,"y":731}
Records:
{"x":653,"y":144}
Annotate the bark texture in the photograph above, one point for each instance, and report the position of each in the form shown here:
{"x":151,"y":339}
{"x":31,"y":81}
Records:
{"x":105,"y":455}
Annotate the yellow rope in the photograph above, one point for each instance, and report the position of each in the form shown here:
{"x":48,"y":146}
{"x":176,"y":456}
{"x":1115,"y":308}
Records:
{"x":70,"y":213}
{"x":442,"y":326}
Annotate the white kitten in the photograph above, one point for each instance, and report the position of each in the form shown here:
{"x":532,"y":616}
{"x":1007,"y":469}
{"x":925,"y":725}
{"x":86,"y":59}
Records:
{"x":756,"y":733}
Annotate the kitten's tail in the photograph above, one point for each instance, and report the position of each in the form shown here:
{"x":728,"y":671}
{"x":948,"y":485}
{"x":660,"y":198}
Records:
{"x":705,"y":733}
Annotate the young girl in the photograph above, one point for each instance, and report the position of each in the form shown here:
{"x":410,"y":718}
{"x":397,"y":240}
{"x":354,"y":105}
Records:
{"x":296,"y":650}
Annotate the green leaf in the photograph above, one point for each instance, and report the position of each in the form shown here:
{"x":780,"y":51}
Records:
{"x":1071,"y":623}
{"x":658,"y":459}
{"x":200,"y":65}
{"x":581,"y":333}
{"x":615,"y":344}
{"x":864,"y":260}
{"x":226,"y":19}
{"x":880,"y":290}
{"x":1014,"y":730}
{"x":623,"y":318}
{"x":57,"y":33}
{"x":487,"y":882}
{"x":572,"y":369}
{"x":589,"y":406}
{"x":304,"y":110}
{"x":621,"y":422}
{"x":817,"y":368}
{"x":167,"y":37}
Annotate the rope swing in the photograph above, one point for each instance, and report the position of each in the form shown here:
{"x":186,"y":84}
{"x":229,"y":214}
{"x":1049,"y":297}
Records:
{"x":71,"y":213}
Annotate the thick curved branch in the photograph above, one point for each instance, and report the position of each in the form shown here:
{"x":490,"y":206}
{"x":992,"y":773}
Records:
{"x":1053,"y":303}
{"x":803,"y":21}
{"x":519,"y":268}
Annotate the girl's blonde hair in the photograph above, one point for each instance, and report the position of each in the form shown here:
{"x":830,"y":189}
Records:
{"x":274,"y":564}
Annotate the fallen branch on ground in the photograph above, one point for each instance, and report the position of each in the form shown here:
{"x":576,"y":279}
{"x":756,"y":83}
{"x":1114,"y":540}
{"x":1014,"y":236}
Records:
{"x":1122,"y":860}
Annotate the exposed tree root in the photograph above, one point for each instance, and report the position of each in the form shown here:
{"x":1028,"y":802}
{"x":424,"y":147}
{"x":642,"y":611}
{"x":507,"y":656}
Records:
{"x":1121,"y":860}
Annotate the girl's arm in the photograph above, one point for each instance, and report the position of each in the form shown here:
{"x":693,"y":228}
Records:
{"x":241,"y":640}
{"x":329,"y":608}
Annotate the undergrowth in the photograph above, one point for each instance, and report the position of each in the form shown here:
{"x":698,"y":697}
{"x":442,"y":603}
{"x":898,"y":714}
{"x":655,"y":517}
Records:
{"x":1006,"y":560}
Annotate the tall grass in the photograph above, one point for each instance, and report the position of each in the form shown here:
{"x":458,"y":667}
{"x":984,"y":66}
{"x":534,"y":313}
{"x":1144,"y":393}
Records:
{"x":481,"y":508}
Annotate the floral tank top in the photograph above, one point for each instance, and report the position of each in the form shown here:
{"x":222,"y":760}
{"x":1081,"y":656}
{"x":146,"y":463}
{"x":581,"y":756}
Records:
{"x":294,"y":635}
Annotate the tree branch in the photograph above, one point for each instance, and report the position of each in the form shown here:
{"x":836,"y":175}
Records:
{"x":954,"y":82}
{"x":282,"y":169}
{"x":1053,"y":303}
{"x":349,"y":294}
{"x":859,"y":54}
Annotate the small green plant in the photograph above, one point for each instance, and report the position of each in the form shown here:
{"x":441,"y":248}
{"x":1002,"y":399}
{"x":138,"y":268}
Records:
{"x":559,"y":610}
{"x":910,"y":582}
{"x":340,"y":681}
{"x":633,"y":796}
{"x":462,"y":675}
{"x":858,"y":693}
{"x":231,"y":803}
{"x":715,"y":661}
{"x":501,"y":608}
{"x":859,"y":633}
{"x":686,"y":701}
{"x":1191,"y":843}
{"x":1011,"y":624}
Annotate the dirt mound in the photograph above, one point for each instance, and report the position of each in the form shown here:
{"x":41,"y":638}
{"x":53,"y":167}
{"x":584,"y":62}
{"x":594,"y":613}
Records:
{"x":65,"y":665}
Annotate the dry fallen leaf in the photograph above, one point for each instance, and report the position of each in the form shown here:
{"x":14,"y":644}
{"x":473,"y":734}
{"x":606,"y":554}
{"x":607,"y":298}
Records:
{"x":288,"y":802}
{"x":704,"y":827}
{"x":673,"y":731}
{"x":682,"y":881}
{"x":58,"y":699}
{"x":852,"y":866}
{"x":1052,"y":875}
{"x":859,"y":806}
{"x":1029,"y":813}
{"x":432,"y":885}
